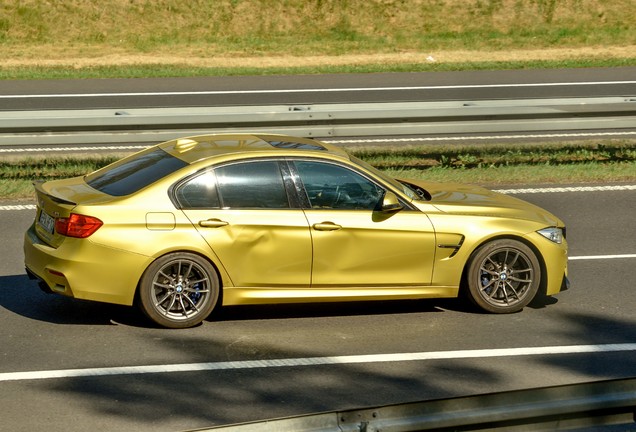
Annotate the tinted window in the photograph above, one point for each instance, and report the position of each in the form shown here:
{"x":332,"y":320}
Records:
{"x":251,"y":185}
{"x":199,"y":192}
{"x":134,"y":173}
{"x":335,"y":187}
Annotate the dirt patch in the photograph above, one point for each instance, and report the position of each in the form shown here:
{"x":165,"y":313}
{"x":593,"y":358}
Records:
{"x":191,"y":57}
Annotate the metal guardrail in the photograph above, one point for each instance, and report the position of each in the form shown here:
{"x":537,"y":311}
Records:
{"x":98,"y":126}
{"x":554,"y":408}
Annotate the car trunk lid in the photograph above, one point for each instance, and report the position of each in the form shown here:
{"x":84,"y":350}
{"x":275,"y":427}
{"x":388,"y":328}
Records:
{"x":57,"y":199}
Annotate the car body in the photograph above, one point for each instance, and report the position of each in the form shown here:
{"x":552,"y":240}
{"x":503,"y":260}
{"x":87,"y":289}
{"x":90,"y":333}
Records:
{"x":192,"y":223}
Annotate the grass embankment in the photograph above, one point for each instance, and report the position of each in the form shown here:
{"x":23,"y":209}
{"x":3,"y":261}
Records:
{"x":610,"y":161}
{"x":121,"y":38}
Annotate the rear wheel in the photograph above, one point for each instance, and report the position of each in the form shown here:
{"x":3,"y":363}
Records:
{"x":503,"y":276}
{"x":179,"y":290}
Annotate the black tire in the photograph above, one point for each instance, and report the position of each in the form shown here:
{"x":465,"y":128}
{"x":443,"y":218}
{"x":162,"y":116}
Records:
{"x":503,"y":276}
{"x":178,"y":290}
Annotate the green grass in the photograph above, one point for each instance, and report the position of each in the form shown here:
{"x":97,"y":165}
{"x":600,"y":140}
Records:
{"x":165,"y":71}
{"x":187,"y":34}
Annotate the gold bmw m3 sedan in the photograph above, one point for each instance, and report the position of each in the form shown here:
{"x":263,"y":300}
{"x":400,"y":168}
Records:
{"x":199,"y":222}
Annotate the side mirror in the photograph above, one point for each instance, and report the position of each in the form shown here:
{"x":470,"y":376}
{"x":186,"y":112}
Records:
{"x":390,"y":203}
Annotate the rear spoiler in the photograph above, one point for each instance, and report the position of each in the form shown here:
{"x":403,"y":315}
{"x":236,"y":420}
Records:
{"x":40,"y":191}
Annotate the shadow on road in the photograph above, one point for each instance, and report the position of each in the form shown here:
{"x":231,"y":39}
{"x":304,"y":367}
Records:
{"x":22,"y":296}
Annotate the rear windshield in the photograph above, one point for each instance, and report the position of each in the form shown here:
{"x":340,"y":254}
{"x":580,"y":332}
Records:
{"x":134,"y":173}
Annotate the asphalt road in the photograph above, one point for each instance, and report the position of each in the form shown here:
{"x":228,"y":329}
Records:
{"x":307,"y":89}
{"x":47,"y":333}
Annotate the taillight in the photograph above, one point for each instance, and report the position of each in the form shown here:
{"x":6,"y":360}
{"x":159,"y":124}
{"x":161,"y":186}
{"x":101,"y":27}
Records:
{"x":77,"y":225}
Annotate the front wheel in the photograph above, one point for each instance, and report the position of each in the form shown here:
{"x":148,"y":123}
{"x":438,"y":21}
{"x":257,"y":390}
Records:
{"x":503,"y":276}
{"x":178,"y":290}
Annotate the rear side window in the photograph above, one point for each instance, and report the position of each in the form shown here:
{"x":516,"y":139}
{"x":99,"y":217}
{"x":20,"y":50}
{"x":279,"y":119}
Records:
{"x":134,"y":173}
{"x":252,"y":185}
{"x":244,"y":185}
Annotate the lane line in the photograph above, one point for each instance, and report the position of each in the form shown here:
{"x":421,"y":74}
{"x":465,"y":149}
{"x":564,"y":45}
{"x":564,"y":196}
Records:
{"x":601,"y":257}
{"x":314,"y":90}
{"x":77,"y":148}
{"x":316,"y":361}
{"x":481,"y":137}
{"x":567,"y":189}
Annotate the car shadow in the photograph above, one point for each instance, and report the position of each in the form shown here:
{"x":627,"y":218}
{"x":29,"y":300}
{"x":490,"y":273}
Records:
{"x":23,"y":297}
{"x":338,"y":309}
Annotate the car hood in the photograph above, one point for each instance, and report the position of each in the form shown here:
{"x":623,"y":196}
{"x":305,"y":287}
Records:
{"x":478,"y":201}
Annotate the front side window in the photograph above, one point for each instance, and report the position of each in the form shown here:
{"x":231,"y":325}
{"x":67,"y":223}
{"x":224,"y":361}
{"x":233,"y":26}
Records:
{"x":245,"y":185}
{"x":330,"y":186}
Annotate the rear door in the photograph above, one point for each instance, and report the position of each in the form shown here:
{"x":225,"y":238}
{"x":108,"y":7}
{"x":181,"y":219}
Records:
{"x":247,"y":218}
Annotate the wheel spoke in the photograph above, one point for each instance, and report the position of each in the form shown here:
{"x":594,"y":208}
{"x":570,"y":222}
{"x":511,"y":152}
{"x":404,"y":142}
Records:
{"x":165,"y":275}
{"x":514,"y":279}
{"x":513,"y":290}
{"x":516,"y":271}
{"x":192,"y":303}
{"x":488,"y":285}
{"x":495,"y":290}
{"x":162,"y":285}
{"x":497,"y":265}
{"x":186,"y":274}
{"x":184,"y":309}
{"x":172,"y":302}
{"x":206,"y":280}
{"x":163,"y":299}
{"x":505,"y":293}
{"x":490,"y":272}
{"x":514,"y":261}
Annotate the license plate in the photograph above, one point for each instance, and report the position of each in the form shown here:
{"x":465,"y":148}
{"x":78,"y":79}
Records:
{"x":46,"y":222}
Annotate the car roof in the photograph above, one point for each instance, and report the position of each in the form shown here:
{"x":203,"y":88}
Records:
{"x":197,"y":148}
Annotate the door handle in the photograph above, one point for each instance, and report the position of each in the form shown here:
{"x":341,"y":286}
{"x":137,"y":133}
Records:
{"x":213,"y":223}
{"x":326,"y":226}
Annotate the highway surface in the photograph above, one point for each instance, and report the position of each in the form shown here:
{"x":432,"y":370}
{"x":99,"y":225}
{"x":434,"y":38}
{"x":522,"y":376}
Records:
{"x":306,"y":89}
{"x":432,"y":348}
{"x":69,"y":365}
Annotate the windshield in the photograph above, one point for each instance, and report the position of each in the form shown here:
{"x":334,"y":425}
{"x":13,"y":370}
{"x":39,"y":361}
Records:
{"x":405,"y":188}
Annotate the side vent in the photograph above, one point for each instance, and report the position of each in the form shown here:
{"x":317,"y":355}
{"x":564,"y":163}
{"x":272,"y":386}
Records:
{"x":450,"y":242}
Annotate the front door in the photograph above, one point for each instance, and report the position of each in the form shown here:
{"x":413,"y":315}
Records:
{"x":354,"y":243}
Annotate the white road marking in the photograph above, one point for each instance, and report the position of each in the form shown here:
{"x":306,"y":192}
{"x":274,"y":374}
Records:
{"x":17,"y":207}
{"x":313,"y":90}
{"x":567,"y":189}
{"x":69,"y":149}
{"x":601,"y":257}
{"x":415,"y":140}
{"x":316,"y":361}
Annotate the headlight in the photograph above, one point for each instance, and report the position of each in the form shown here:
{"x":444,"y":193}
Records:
{"x":552,"y":234}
